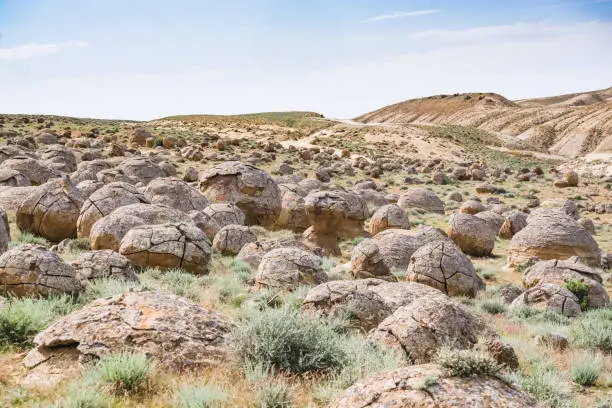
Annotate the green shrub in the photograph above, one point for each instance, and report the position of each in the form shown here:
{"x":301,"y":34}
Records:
{"x":586,"y":369}
{"x":125,"y":372}
{"x":580,"y":289}
{"x":592,"y":330}
{"x":22,"y":318}
{"x":273,"y":395}
{"x":533,"y":315}
{"x":242,"y":270}
{"x":85,"y":398}
{"x":545,"y":385}
{"x":25,"y":237}
{"x":199,"y":396}
{"x":176,"y":281}
{"x":464,"y":363}
{"x":158,"y":142}
{"x":428,"y":382}
{"x":284,"y":340}
{"x":493,"y":306}
{"x":355,"y":241}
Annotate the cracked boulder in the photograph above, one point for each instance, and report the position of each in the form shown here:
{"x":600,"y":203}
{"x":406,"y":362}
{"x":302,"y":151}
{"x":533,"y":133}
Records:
{"x":367,"y":262}
{"x":13,"y":178}
{"x":441,"y":265}
{"x":552,"y":234}
{"x":293,"y":208}
{"x":422,"y":199}
{"x":138,"y":170}
{"x":253,"y":252}
{"x":36,"y":172}
{"x":104,"y":201}
{"x":288,"y":268}
{"x":560,"y":272}
{"x":173,"y":331}
{"x":397,"y":245}
{"x":250,"y":188}
{"x":514,"y":222}
{"x":32,"y":270}
{"x":549,"y":296}
{"x":472,"y":234}
{"x":104,"y":264}
{"x":231,"y":238}
{"x":388,"y":216}
{"x":431,"y":386}
{"x":51,"y":210}
{"x":88,"y":170}
{"x":175,"y":193}
{"x":180,"y":245}
{"x":494,"y":219}
{"x":216,"y":216}
{"x":59,"y":158}
{"x":367,"y":301}
{"x":421,"y":328}
{"x":108,"y":231}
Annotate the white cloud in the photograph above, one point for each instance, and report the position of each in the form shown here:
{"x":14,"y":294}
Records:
{"x":28,"y":51}
{"x":403,"y":14}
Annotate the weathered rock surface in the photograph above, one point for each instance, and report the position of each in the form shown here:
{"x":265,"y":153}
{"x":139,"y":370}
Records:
{"x":441,"y":265}
{"x":397,"y":245}
{"x":287,"y":268}
{"x":178,"y":245}
{"x":421,"y":198}
{"x":32,"y":270}
{"x":231,"y":238}
{"x":92,"y":265}
{"x":174,"y":331}
{"x":51,"y":210}
{"x":176,"y":194}
{"x":472,"y":234}
{"x":550,"y":296}
{"x":251,"y":189}
{"x":404,"y":388}
{"x":552,"y":234}
{"x":367,"y":262}
{"x":388,"y":216}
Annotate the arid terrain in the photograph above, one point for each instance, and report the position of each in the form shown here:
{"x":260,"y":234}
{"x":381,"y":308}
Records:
{"x":447,"y":251}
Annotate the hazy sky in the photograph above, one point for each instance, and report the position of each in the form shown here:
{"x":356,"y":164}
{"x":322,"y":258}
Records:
{"x":142,"y":59}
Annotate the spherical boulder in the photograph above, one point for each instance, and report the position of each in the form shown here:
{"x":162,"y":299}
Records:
{"x":561,"y":272}
{"x":408,"y":387}
{"x":137,"y":170}
{"x":494,"y":219}
{"x":441,"y":265}
{"x":175,"y":193}
{"x":104,"y":201}
{"x":472,"y":234}
{"x":175,"y":332}
{"x":59,"y":158}
{"x":32,"y":270}
{"x":88,"y":170}
{"x":472,"y":207}
{"x":253,"y":252}
{"x":104,"y":264}
{"x":514,"y":222}
{"x":397,"y":245}
{"x":108,"y":231}
{"x":231,"y":238}
{"x":422,"y":328}
{"x":367,"y":301}
{"x":175,"y":245}
{"x":31,"y":168}
{"x":367,"y":262}
{"x":552,"y":234}
{"x":251,"y":189}
{"x":293,"y":209}
{"x":287,"y":268}
{"x":388,"y":216}
{"x":421,"y":198}
{"x":13,"y":178}
{"x":51,"y":210}
{"x":549,"y":296}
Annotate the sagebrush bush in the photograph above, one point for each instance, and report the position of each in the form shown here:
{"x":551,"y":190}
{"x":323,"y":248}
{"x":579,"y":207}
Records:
{"x":125,"y":372}
{"x":493,"y":306}
{"x":158,"y":142}
{"x":25,"y":237}
{"x":22,"y":318}
{"x":176,"y":281}
{"x":200,"y":396}
{"x":586,"y":369}
{"x":85,"y":398}
{"x":592,"y":330}
{"x":464,"y":363}
{"x":242,"y":270}
{"x":273,"y":395}
{"x":545,"y":385}
{"x":282,"y":339}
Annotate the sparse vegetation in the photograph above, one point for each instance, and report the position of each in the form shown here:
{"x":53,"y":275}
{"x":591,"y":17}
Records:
{"x":200,"y":396}
{"x":464,"y":363}
{"x":580,"y":289}
{"x":593,"y":330}
{"x":125,"y":372}
{"x":586,"y":369}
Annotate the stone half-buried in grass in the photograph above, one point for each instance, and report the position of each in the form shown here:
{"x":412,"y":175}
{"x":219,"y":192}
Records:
{"x":172,"y":330}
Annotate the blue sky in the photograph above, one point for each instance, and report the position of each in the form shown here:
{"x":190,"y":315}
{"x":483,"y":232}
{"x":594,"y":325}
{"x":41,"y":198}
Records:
{"x":141,"y":59}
